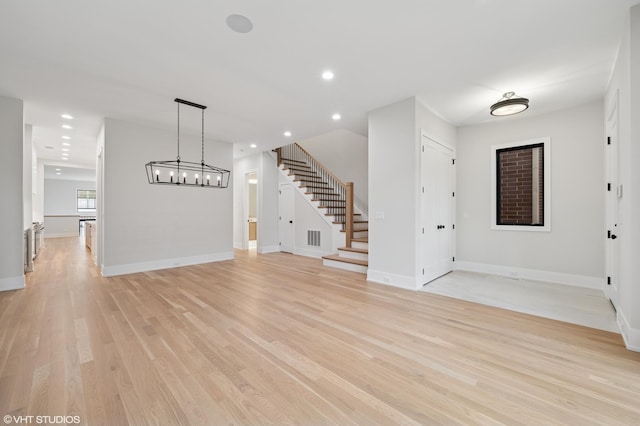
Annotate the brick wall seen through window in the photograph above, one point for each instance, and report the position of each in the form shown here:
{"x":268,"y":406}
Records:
{"x":520,"y":185}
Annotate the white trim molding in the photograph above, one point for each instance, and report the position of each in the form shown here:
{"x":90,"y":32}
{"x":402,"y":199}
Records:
{"x":132,"y":268}
{"x":631,"y":336}
{"x":532,"y":274}
{"x":268,"y":249}
{"x":316,"y":253}
{"x":12,"y":283}
{"x":394,"y":280}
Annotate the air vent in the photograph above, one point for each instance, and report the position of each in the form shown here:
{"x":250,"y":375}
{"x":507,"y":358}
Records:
{"x":313,"y":238}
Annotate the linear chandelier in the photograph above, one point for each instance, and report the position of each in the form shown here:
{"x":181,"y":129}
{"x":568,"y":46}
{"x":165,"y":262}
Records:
{"x":187,"y":173}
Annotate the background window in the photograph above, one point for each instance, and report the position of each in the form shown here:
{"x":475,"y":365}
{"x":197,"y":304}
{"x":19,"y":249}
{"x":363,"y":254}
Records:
{"x":520,"y":185}
{"x":86,"y":200}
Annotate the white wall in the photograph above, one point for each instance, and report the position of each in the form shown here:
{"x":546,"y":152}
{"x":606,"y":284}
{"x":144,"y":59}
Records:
{"x":27,"y":177}
{"x":394,"y":183}
{"x":267,"y":208}
{"x":625,"y":81}
{"x":346,"y":155}
{"x":573,"y":252}
{"x":38,"y":195}
{"x":148,"y":227}
{"x":60,"y":196}
{"x":11,"y":188}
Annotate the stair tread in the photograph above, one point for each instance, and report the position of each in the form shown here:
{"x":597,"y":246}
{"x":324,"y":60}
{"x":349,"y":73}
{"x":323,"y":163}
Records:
{"x":356,"y":230}
{"x":355,"y":221}
{"x":292,"y":160}
{"x":354,"y":250}
{"x":337,"y":258}
{"x":361,"y":240}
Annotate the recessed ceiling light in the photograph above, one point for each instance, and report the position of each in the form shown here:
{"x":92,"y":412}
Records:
{"x":66,"y":137}
{"x":328,"y":75}
{"x":66,"y":126}
{"x":58,"y":173}
{"x":58,"y":170}
{"x":253,"y":145}
{"x":239,"y":23}
{"x":287,"y":134}
{"x":66,"y":144}
{"x":336,"y":116}
{"x":65,"y":158}
{"x":65,"y":149}
{"x":67,"y":116}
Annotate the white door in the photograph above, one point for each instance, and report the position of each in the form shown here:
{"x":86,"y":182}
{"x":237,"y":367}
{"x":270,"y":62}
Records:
{"x":437,"y":206}
{"x":287,"y":211}
{"x":613,"y":195}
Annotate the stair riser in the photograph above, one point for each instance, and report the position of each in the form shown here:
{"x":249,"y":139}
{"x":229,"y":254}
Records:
{"x":353,"y":255}
{"x":346,"y":266}
{"x":359,"y":245}
{"x":360,"y":234}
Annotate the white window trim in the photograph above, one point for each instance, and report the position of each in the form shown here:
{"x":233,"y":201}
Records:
{"x":547,"y":186}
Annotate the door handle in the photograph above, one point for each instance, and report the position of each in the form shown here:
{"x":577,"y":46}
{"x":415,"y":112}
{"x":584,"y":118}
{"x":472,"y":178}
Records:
{"x":614,"y":236}
{"x":290,"y":221}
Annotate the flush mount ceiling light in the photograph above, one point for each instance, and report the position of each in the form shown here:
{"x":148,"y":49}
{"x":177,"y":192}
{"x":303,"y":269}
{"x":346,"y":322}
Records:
{"x":187,"y":173}
{"x":509,"y":105}
{"x":239,"y":23}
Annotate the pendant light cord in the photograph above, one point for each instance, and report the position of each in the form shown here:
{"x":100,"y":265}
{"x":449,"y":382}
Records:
{"x":203,"y":137}
{"x":178,"y":158}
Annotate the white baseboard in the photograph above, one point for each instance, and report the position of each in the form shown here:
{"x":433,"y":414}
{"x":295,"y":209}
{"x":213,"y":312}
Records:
{"x":12,"y":283}
{"x":394,"y":280}
{"x":630,"y":335}
{"x":62,"y":235}
{"x":311,"y":253}
{"x":268,"y":249}
{"x":532,"y":274}
{"x":132,"y":268}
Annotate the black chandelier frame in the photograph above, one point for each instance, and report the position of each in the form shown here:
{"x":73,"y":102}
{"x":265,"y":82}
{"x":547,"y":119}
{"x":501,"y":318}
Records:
{"x":187,"y":173}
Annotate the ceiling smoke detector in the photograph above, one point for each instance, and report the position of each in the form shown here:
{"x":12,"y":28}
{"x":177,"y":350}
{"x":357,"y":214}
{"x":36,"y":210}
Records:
{"x":239,"y":23}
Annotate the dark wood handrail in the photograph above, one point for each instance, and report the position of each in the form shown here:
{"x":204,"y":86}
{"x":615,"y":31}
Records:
{"x":321,"y":165}
{"x":345,"y":190}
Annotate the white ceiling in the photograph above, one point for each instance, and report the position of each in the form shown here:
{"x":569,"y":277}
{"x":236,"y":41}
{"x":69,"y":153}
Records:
{"x":129,"y":59}
{"x":69,"y":173}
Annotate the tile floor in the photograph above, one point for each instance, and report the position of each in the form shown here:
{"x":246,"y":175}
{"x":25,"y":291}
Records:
{"x":576,"y":305}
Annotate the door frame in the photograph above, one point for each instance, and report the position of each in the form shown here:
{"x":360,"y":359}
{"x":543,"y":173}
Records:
{"x":281,"y":220}
{"x":612,"y":202}
{"x":450,"y":148}
{"x":245,"y":208}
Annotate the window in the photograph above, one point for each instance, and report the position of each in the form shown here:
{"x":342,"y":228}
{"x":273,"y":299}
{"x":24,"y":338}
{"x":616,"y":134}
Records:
{"x":86,"y":200}
{"x":521,"y":185}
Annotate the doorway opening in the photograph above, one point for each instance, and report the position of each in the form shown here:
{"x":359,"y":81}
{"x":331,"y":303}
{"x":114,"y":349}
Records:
{"x":251,"y":204}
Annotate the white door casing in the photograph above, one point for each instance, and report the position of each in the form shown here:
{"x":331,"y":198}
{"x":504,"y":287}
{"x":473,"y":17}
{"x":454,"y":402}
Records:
{"x":613,"y":195}
{"x":286,"y":204}
{"x":437,"y":209}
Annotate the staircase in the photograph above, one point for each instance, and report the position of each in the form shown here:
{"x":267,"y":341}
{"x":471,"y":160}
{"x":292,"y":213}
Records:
{"x":335,"y":199}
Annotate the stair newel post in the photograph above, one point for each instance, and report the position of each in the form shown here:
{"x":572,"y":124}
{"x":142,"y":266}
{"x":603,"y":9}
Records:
{"x":349,"y":214}
{"x":279,"y":154}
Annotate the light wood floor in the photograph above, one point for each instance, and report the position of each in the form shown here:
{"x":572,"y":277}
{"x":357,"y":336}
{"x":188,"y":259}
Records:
{"x":277,"y":338}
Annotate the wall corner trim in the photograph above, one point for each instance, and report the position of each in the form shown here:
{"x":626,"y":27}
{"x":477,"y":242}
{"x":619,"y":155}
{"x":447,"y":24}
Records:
{"x":132,"y":268}
{"x":532,"y":274}
{"x":12,"y":283}
{"x":393,"y":280}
